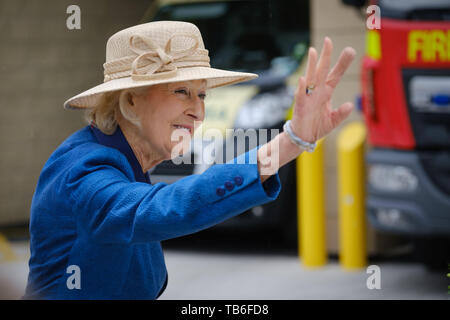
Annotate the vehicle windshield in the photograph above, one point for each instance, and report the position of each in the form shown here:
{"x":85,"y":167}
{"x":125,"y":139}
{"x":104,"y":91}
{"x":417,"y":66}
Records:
{"x":430,"y":10}
{"x":251,"y":36}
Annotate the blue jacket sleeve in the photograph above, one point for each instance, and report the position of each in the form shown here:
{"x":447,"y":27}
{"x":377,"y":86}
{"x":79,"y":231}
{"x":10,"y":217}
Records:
{"x":112,"y":208}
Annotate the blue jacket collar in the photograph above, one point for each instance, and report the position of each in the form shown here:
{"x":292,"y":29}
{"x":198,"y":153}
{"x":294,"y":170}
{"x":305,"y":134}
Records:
{"x":118,"y":141}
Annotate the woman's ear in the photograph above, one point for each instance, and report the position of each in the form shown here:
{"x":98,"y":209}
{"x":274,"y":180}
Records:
{"x":130,"y":98}
{"x":128,"y":108}
{"x":126,"y":98}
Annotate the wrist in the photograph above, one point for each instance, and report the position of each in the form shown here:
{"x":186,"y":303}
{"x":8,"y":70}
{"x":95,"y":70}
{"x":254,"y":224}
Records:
{"x":305,"y":145}
{"x":295,"y":149}
{"x":302,"y":134}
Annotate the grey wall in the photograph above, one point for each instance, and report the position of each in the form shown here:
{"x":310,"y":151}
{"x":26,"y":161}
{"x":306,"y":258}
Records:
{"x":42,"y":63}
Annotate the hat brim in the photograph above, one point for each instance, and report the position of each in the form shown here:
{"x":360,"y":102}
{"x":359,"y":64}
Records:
{"x":215,"y":78}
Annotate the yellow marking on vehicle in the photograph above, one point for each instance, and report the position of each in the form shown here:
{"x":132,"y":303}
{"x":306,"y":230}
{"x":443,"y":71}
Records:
{"x":373,"y":44}
{"x":429,"y":45}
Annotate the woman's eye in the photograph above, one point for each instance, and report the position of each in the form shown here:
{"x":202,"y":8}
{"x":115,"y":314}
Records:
{"x":181,"y":91}
{"x":185,"y":92}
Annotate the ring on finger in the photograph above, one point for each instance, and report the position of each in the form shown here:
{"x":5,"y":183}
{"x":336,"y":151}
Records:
{"x":309,"y":89}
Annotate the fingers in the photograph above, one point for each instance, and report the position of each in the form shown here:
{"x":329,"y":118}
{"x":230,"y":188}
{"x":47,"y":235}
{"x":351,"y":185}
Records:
{"x":345,"y":59}
{"x":311,"y":67}
{"x":341,"y":113}
{"x":323,"y":65}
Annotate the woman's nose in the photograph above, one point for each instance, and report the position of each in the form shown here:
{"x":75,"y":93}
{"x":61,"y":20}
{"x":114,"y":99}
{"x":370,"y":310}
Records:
{"x":197,"y":110}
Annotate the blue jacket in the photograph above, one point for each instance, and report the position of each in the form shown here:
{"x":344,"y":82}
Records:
{"x":95,"y":210}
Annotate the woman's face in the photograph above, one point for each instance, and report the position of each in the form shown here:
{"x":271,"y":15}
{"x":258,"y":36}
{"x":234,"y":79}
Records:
{"x":169,"y":114}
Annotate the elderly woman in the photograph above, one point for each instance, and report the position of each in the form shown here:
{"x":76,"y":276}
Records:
{"x":96,"y":219}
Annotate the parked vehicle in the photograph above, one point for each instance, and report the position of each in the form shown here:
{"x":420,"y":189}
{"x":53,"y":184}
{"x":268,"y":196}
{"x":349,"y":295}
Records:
{"x":406,"y":103}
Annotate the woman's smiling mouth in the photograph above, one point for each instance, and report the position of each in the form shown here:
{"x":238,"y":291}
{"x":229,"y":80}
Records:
{"x":184,"y":127}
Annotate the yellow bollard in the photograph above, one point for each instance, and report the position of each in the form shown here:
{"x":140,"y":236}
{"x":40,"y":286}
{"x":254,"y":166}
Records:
{"x":311,"y":208}
{"x":351,"y":188}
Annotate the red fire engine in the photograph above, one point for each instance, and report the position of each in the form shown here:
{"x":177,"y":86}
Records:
{"x":406,"y":104}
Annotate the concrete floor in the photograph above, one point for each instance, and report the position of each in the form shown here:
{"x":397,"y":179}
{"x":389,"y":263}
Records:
{"x":200,"y":268}
{"x":228,"y":276}
{"x":14,"y":271}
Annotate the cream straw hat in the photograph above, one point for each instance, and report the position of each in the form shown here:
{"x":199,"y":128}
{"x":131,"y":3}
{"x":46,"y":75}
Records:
{"x":153,"y":53}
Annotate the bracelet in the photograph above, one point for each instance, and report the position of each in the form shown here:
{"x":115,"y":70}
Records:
{"x":296,"y":140}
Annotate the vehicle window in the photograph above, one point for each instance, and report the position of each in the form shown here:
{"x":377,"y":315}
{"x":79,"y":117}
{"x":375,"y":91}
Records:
{"x":248,"y":35}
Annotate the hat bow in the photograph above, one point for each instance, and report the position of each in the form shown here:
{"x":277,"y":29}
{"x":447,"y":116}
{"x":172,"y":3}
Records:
{"x":153,"y":62}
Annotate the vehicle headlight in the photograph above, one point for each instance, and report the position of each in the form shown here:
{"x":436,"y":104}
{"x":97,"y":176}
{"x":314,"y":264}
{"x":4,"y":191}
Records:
{"x":392,"y":178}
{"x":393,"y":218}
{"x":265,"y":109}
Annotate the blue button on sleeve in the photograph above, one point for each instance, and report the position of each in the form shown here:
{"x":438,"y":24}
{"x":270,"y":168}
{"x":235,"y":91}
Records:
{"x":220,"y":191}
{"x":229,"y":185}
